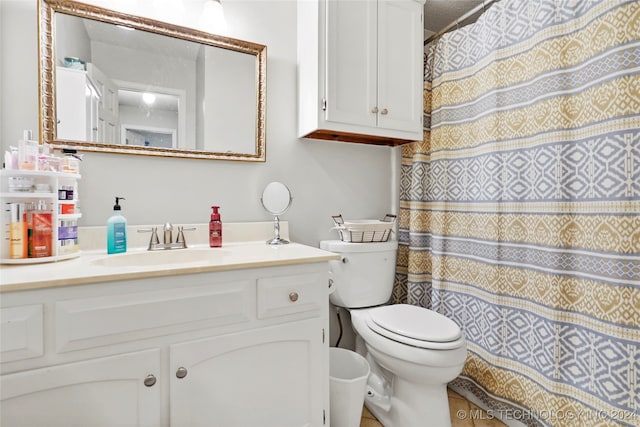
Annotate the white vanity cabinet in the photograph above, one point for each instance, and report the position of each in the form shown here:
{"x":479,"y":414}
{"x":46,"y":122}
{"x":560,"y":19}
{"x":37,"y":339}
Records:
{"x":360,"y":70}
{"x":231,"y":348}
{"x":263,"y":377}
{"x":102,"y":392}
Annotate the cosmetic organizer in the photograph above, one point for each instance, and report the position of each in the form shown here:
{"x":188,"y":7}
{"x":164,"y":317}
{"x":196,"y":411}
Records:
{"x":57,"y":194}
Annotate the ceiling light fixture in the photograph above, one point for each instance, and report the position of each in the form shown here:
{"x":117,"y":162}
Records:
{"x":212,"y":18}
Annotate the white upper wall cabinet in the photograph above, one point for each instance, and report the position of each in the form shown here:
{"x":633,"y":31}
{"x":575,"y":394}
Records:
{"x":77,"y":105}
{"x":360,"y":70}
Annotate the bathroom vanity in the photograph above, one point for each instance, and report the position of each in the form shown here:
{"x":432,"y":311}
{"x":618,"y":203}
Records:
{"x":237,"y":337}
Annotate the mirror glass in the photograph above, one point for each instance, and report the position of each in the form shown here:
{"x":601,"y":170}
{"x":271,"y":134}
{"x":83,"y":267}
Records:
{"x":113,"y":82}
{"x":276,"y":199}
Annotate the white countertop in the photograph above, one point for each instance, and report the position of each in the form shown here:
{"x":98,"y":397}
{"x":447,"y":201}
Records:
{"x":87,"y":267}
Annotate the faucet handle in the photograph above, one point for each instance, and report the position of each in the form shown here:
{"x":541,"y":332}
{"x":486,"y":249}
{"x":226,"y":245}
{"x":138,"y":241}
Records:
{"x":154,"y":240}
{"x":180,"y":239}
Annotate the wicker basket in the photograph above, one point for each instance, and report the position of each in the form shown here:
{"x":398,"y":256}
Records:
{"x":364,"y":230}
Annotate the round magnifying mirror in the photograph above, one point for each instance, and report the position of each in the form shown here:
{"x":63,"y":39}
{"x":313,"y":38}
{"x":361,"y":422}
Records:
{"x":276,"y":199}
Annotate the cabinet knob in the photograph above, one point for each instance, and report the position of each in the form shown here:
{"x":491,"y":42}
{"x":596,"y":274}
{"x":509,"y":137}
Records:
{"x":150,"y":380}
{"x":293,"y":296}
{"x":374,"y":110}
{"x":181,"y":372}
{"x":384,"y":111}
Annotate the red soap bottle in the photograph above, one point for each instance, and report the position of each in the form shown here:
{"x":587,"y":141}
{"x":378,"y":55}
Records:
{"x":215,"y":228}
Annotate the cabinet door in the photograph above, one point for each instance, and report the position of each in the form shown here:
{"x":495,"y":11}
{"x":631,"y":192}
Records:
{"x":400,"y":65}
{"x":351,"y":62}
{"x":264,"y":377}
{"x":105,"y":392}
{"x":71,"y":105}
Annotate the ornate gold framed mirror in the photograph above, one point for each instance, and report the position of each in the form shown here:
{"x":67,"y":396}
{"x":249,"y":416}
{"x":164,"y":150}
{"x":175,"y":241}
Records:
{"x":117,"y":83}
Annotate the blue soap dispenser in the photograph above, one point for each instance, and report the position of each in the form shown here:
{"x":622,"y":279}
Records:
{"x":117,"y":230}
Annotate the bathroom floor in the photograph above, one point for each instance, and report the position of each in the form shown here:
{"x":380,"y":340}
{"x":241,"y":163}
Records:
{"x":463,"y":414}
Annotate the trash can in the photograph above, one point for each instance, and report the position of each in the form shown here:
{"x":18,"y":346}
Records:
{"x":348,"y":372}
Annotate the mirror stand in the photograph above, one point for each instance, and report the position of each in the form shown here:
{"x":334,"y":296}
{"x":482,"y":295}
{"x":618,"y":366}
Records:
{"x":277,"y":240}
{"x":276,"y":199}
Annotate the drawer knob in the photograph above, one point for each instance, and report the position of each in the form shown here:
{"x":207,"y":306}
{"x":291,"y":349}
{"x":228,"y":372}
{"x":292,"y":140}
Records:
{"x":150,"y":380}
{"x":385,"y":111}
{"x":293,"y":296}
{"x":181,"y":372}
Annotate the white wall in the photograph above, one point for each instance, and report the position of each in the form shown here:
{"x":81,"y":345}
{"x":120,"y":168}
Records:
{"x":226,"y":129}
{"x":19,"y":74}
{"x":325,"y":177}
{"x":73,"y":41}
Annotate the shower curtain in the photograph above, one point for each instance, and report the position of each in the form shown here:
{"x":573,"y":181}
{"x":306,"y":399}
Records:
{"x":520,"y":209}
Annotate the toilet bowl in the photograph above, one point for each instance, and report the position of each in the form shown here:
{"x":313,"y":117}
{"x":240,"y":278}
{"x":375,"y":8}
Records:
{"x":409,"y":373}
{"x":413,"y":351}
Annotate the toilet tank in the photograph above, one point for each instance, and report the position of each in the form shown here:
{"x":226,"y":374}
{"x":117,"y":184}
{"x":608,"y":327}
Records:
{"x":364,"y":276}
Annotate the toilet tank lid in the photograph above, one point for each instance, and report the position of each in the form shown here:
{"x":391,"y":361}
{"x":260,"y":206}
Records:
{"x":343,"y":247}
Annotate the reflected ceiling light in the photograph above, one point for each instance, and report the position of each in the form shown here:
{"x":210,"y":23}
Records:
{"x":122,"y":27}
{"x":212,"y":18}
{"x":148,"y":98}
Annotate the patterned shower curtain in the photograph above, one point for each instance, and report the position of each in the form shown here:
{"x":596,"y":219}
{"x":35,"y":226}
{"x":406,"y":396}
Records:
{"x":520,"y":210}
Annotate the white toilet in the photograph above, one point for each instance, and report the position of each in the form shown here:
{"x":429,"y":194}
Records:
{"x":413,"y":351}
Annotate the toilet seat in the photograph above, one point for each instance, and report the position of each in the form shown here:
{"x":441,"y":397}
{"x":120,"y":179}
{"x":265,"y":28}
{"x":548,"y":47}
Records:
{"x":415,"y":326}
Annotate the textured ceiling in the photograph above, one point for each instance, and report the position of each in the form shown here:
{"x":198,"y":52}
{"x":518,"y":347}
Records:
{"x":440,"y":13}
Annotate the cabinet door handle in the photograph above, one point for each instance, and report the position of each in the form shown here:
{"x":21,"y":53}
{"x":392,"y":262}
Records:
{"x":374,"y":110}
{"x":384,"y":111}
{"x":150,"y":380}
{"x":181,"y":372}
{"x":293,"y":296}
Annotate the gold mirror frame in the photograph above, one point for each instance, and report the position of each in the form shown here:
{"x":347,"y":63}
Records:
{"x":47,"y":86}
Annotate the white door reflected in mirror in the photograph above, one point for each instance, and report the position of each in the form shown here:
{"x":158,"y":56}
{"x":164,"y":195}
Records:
{"x":276,"y":199}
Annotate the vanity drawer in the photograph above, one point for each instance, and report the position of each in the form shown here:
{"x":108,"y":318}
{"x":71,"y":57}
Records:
{"x":278,"y":296}
{"x":21,"y":332}
{"x":107,"y":320}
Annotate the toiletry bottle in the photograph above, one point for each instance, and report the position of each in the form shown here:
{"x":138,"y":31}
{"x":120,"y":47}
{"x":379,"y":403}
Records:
{"x":68,"y":236}
{"x":117,"y":230}
{"x":41,"y":231}
{"x":28,"y":152}
{"x":215,"y":228}
{"x":11,"y":158}
{"x":18,"y":240}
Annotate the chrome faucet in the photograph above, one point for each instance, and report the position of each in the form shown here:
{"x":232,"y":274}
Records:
{"x":154,"y":241}
{"x":168,"y":230}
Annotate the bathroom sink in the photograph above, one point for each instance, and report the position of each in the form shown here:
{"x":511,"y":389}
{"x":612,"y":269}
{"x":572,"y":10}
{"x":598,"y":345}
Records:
{"x":151,"y":258}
